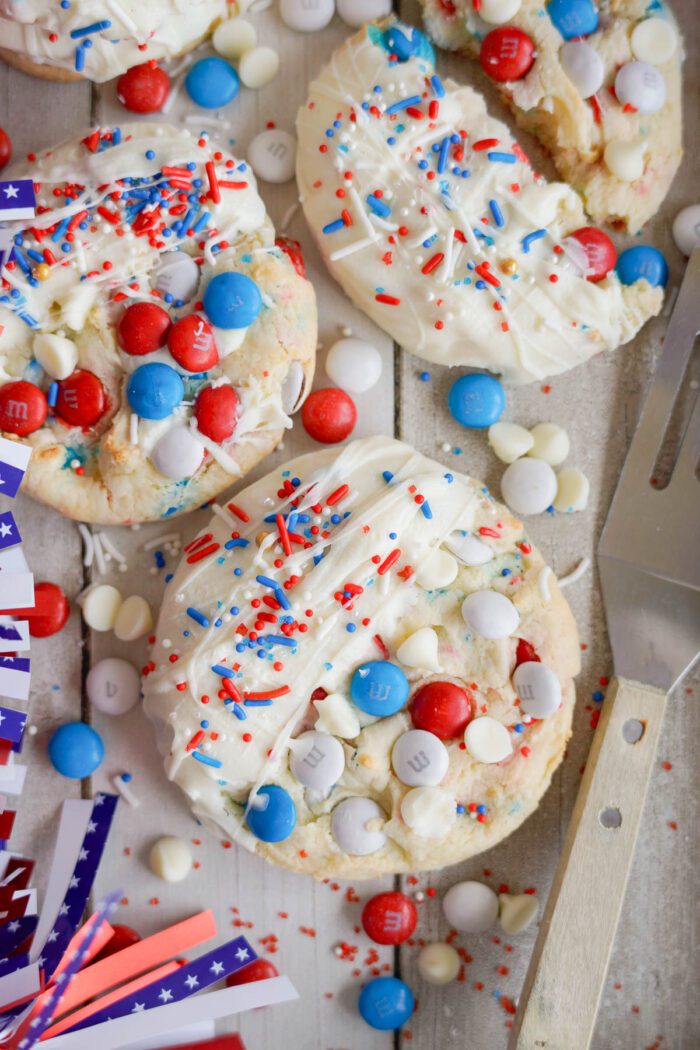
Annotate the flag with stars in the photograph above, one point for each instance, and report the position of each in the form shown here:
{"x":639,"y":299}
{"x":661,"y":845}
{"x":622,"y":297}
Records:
{"x":12,"y":724}
{"x":14,"y":636}
{"x":14,"y":458}
{"x":10,"y":535}
{"x":185,"y":981}
{"x":17,"y":200}
{"x":14,"y":679}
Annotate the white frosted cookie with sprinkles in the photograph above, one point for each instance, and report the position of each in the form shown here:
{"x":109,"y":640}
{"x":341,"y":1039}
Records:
{"x":429,"y":215}
{"x":363,"y":666}
{"x":597,"y":81}
{"x":154,"y":335}
{"x":99,"y":39}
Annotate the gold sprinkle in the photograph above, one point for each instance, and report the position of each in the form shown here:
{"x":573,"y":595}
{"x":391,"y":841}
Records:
{"x":42,"y":272}
{"x":508,"y":266}
{"x":365,"y":760}
{"x":261,"y":537}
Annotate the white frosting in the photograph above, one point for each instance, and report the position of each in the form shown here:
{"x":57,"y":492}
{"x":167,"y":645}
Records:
{"x":526,"y":325}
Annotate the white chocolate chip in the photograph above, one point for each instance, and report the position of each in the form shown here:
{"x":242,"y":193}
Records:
{"x":509,"y":441}
{"x":550,"y":443}
{"x":259,"y":66}
{"x":573,"y":490}
{"x":337,"y":716}
{"x":170,"y":859}
{"x":57,"y":355}
{"x":100,"y":607}
{"x":439,"y":570}
{"x":487,"y":740}
{"x":468,"y":549}
{"x":420,"y":650}
{"x":438,"y":963}
{"x":234,"y":37}
{"x":429,"y":811}
{"x":625,"y":160}
{"x":134,"y":619}
{"x":654,"y":40}
{"x":516,"y":913}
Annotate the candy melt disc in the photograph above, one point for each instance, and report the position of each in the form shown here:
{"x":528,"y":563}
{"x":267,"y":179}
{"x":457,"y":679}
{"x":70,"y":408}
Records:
{"x":23,"y":408}
{"x":272,"y":155}
{"x":640,"y":84}
{"x":470,"y":907}
{"x":583,"y":66}
{"x":232,"y":300}
{"x":212,"y":82}
{"x":258,"y":67}
{"x":113,"y":686}
{"x":573,"y":17}
{"x":488,"y":740}
{"x":686,"y":229}
{"x":192,"y":344}
{"x":420,"y":650}
{"x":642,"y":263}
{"x":538,"y":688}
{"x":490,"y":614}
{"x":379,"y":688}
{"x":507,"y":53}
{"x":476,"y":400}
{"x":429,"y":811}
{"x":496,"y":12}
{"x":57,"y":355}
{"x":306,"y":16}
{"x":468,"y":549}
{"x":356,"y":12}
{"x":177,"y":454}
{"x":419,"y":758}
{"x":654,"y":40}
{"x":143,"y":328}
{"x":329,"y":415}
{"x":438,"y":963}
{"x":234,"y":37}
{"x":509,"y":441}
{"x":317,"y":760}
{"x":389,"y":918}
{"x":625,"y":160}
{"x":154,"y":390}
{"x":134,"y":619}
{"x":550,"y":443}
{"x":216,"y":410}
{"x":177,"y":276}
{"x":529,"y":486}
{"x":439,"y":570}
{"x":258,"y":970}
{"x":82,"y":400}
{"x":599,"y":249}
{"x":442,"y":708}
{"x":386,"y":1003}
{"x":357,"y":824}
{"x":354,"y":365}
{"x":76,"y":750}
{"x":100,"y":607}
{"x":271,"y":814}
{"x":170,"y":859}
{"x":518,"y":912}
{"x":143,"y":88}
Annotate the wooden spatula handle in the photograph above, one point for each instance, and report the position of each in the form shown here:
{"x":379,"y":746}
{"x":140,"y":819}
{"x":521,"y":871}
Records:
{"x":558,"y":1006}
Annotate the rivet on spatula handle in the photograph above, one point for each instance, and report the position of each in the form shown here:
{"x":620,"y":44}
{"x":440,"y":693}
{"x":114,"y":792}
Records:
{"x":558,"y":1006}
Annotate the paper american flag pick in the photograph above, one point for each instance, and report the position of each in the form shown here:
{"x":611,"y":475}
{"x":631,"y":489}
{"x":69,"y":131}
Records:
{"x":14,"y":679}
{"x":12,"y":724}
{"x":14,"y":635}
{"x":14,"y":459}
{"x":17,"y":200}
{"x":9,"y":532}
{"x":7,"y":236}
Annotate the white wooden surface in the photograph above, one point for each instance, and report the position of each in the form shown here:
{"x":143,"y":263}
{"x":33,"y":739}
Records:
{"x":650,"y":993}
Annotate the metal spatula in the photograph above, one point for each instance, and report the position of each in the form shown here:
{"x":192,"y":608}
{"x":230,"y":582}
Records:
{"x":650,"y":572}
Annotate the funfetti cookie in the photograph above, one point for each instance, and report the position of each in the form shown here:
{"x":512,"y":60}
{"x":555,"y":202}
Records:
{"x":363,"y":666}
{"x":99,"y":39}
{"x":154,"y":337}
{"x":598,"y":82}
{"x":429,"y":215}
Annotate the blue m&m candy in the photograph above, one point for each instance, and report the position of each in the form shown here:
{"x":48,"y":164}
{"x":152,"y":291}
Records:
{"x":476,"y":400}
{"x":76,"y":750}
{"x":573,"y":18}
{"x":386,"y":1003}
{"x":379,"y":688}
{"x":271,"y":815}
{"x":154,"y":390}
{"x":642,"y":261}
{"x":232,"y":300}
{"x":212,"y":82}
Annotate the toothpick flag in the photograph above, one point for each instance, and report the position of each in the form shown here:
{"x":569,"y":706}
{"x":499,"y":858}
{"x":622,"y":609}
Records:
{"x":17,"y":200}
{"x":14,"y":459}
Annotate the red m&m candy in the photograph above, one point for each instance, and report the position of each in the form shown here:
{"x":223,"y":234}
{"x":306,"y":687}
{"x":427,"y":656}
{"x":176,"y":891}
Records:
{"x":329,"y":415}
{"x":192,"y":344}
{"x":143,"y":328}
{"x":525,"y":653}
{"x":258,"y":970}
{"x":122,"y":937}
{"x":216,"y":411}
{"x":5,"y":148}
{"x":600,"y":251}
{"x":23,"y":408}
{"x":389,"y":918}
{"x":507,"y":53}
{"x":292,"y":249}
{"x":49,"y":612}
{"x":81,"y":399}
{"x":144,"y":88}
{"x":442,"y":708}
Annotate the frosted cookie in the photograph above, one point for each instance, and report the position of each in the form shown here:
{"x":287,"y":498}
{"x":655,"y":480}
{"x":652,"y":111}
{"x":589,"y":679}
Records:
{"x":362,"y":666}
{"x":154,"y":335}
{"x":99,"y":39}
{"x":432,"y":220}
{"x":598,"y":82}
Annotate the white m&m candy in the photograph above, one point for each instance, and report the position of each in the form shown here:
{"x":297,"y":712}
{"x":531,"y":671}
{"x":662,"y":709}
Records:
{"x":654,"y":40}
{"x":356,"y":12}
{"x":583,"y":66}
{"x":272,"y":155}
{"x":113,"y":686}
{"x":356,"y":824}
{"x":178,"y":276}
{"x":538,"y":688}
{"x":529,"y":486}
{"x":100,"y":607}
{"x":573,"y":489}
{"x":306,"y":16}
{"x":170,"y":859}
{"x":429,"y":811}
{"x":510,"y":441}
{"x":488,"y":740}
{"x":686,"y":229}
{"x":258,"y":66}
{"x":470,"y":907}
{"x":317,"y":760}
{"x":490,"y":614}
{"x":468,"y":549}
{"x":439,"y":570}
{"x":438,"y":963}
{"x":134,"y":619}
{"x":57,"y":355}
{"x":640,"y":85}
{"x":177,"y":454}
{"x":550,"y":443}
{"x":354,"y":365}
{"x":625,"y":160}
{"x":234,"y":37}
{"x":420,"y":650}
{"x":419,"y":758}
